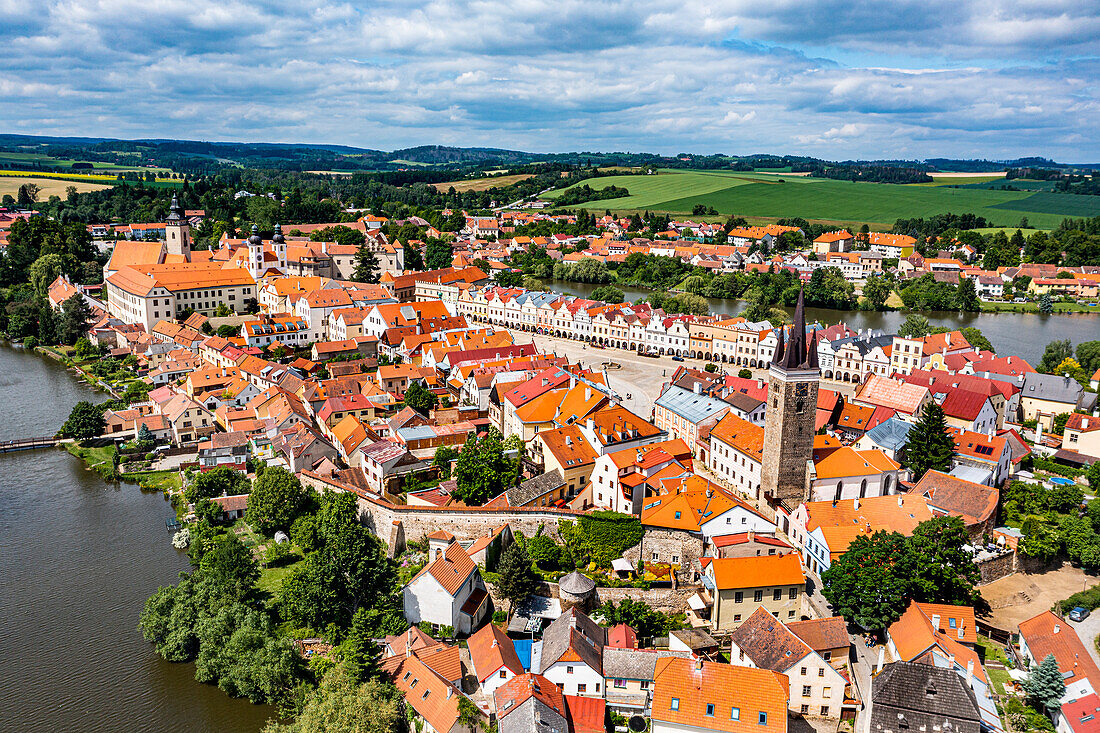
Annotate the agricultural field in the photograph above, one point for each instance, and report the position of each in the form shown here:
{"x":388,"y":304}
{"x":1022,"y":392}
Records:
{"x":755,"y":195}
{"x":9,"y":185}
{"x":482,"y":184}
{"x":43,"y":159}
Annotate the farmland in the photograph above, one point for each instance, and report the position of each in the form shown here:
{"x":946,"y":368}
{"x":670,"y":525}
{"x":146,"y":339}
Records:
{"x":770,"y":197}
{"x":482,"y":184}
{"x":9,"y":186}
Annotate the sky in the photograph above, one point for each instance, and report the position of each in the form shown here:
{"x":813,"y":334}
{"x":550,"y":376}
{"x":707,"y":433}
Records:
{"x":836,"y":79}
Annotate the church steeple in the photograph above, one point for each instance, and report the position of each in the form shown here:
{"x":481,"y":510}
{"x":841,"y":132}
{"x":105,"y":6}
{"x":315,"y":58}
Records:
{"x":177,"y":231}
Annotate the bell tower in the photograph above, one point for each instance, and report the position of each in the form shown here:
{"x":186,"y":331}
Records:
{"x":177,"y":231}
{"x":789,"y":417}
{"x":255,"y":254}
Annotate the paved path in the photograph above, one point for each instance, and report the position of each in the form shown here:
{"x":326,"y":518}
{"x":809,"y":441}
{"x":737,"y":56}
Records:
{"x":1088,"y":630}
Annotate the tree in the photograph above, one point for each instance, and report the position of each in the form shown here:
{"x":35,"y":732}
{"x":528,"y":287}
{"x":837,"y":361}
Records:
{"x":1088,"y":356}
{"x":1045,"y":685}
{"x":607,"y":294}
{"x":366,"y":265}
{"x":135,"y":392}
{"x":145,"y":435}
{"x":84,"y":422}
{"x":340,"y":234}
{"x":1046,"y":304}
{"x":340,"y":704}
{"x":637,"y":615}
{"x":75,"y":315}
{"x":445,"y":454}
{"x":414,"y":260}
{"x":276,"y":500}
{"x":1093,"y":477}
{"x":44,"y":271}
{"x":420,"y":399}
{"x":28,"y":195}
{"x":975,"y":337}
{"x":517,"y":579}
{"x":868,"y":584}
{"x":438,"y":254}
{"x":230,"y":566}
{"x":481,"y":471}
{"x":358,"y":650}
{"x":915,"y":326}
{"x":877,"y":291}
{"x":929,"y":445}
{"x":221,"y":481}
{"x":84,"y":348}
{"x":1069,"y":367}
{"x":1056,"y":352}
{"x":942,"y":570}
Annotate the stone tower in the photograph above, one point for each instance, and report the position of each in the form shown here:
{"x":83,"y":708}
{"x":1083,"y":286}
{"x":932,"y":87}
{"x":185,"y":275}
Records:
{"x":255,"y":254}
{"x":278,"y":244}
{"x":789,"y":418}
{"x":177,"y":231}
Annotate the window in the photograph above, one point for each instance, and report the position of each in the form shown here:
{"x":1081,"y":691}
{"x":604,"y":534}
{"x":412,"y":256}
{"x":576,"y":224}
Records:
{"x":805,"y":690}
{"x":597,"y":687}
{"x":620,"y":683}
{"x":826,"y":691}
{"x":737,"y":617}
{"x":569,"y":670}
{"x":738,"y":597}
{"x":805,"y":710}
{"x":675,"y":559}
{"x":710,"y":709}
{"x":644,"y":684}
{"x":762,"y":718}
{"x":825,"y":710}
{"x":582,"y":688}
{"x":504,"y":674}
{"x":654,"y":557}
{"x":675,"y":703}
{"x":757,"y":596}
{"x":802,"y":671}
{"x":827,"y":655}
{"x":777,"y":594}
{"x":735,"y":713}
{"x":790,"y":614}
{"x":793,"y":594}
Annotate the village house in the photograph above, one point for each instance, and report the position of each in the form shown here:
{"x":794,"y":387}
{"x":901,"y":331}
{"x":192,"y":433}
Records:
{"x":740,"y":585}
{"x":449,"y":591}
{"x":696,"y":696}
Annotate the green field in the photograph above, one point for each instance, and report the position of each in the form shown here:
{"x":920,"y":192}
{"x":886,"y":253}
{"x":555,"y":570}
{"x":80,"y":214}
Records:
{"x":43,"y":159}
{"x":754,"y":195}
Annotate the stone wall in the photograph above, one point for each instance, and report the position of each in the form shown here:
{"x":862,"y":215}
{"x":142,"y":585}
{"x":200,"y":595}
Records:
{"x":464,"y":523}
{"x":998,"y":567}
{"x":685,"y":547}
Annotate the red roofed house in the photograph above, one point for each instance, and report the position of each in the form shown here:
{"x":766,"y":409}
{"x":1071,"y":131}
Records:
{"x":692,"y":696}
{"x":494,"y":658}
{"x":449,"y":591}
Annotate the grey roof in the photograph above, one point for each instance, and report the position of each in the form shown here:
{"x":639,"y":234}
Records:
{"x":573,"y":630}
{"x":533,"y":716}
{"x":695,"y":639}
{"x":863,"y":344}
{"x":534,"y":487}
{"x":890,"y":434}
{"x":1052,"y":387}
{"x":576,"y":583}
{"x":692,"y":407}
{"x":629,"y":664}
{"x":742,"y":401}
{"x":921,"y":693}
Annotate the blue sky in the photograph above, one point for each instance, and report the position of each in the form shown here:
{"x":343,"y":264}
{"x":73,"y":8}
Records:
{"x":830,"y":78}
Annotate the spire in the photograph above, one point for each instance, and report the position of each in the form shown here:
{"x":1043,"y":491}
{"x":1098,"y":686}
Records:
{"x":811,"y":351}
{"x":255,"y":238}
{"x":278,"y":236}
{"x":777,"y":357}
{"x":175,"y":211}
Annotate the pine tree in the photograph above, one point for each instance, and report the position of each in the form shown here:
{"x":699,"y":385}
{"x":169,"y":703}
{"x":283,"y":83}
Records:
{"x":1045,"y":685}
{"x":929,"y":446}
{"x":517,"y":580}
{"x":360,"y":653}
{"x":366,"y":265}
{"x":1046,"y":304}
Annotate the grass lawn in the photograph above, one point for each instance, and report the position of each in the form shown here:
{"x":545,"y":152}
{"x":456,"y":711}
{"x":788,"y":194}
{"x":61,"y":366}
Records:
{"x":758,"y":195}
{"x":99,"y":458}
{"x":155,"y":480}
{"x":271,"y":579}
{"x":1034,"y":308}
{"x":997,"y":671}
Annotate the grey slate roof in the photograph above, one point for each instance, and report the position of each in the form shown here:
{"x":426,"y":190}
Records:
{"x":533,"y":716}
{"x":534,"y":487}
{"x":692,"y":407}
{"x":1051,"y":387}
{"x":576,"y":583}
{"x":923,"y":695}
{"x":890,"y":434}
{"x":573,"y":630}
{"x":635,"y":664}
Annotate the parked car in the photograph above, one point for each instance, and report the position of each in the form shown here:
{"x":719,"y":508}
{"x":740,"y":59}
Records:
{"x":677,"y":358}
{"x":1079,"y":614}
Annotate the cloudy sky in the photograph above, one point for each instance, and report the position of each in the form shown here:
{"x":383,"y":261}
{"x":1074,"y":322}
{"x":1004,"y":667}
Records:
{"x":832,"y":78}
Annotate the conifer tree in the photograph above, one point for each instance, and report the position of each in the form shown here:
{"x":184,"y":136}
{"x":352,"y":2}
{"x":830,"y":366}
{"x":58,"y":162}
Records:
{"x":929,"y":445}
{"x":517,"y":580}
{"x":1045,"y":685}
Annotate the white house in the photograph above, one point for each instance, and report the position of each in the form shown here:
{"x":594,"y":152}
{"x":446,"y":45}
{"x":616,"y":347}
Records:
{"x":449,"y":591}
{"x":571,"y":654}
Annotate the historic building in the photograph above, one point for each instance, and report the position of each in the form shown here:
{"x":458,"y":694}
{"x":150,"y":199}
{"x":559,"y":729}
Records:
{"x":793,"y":379}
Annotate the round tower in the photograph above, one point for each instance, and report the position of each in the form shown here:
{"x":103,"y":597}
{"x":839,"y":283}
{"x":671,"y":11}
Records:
{"x":255,"y":254}
{"x":577,"y":591}
{"x":278,"y":243}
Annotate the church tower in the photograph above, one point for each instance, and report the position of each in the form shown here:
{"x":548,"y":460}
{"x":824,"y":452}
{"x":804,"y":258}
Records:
{"x":793,"y":379}
{"x":278,"y":243}
{"x":177,"y":231}
{"x":255,"y":254}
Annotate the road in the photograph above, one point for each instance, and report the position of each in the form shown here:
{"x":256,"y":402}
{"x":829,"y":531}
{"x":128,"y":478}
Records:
{"x":1088,"y":630}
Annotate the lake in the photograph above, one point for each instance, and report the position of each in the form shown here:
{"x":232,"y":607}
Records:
{"x":78,"y":558}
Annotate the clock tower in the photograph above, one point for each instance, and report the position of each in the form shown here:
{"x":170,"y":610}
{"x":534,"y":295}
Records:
{"x":789,"y":417}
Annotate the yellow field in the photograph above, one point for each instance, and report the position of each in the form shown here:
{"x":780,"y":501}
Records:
{"x":482,"y":184}
{"x":104,"y":177}
{"x":9,"y":185}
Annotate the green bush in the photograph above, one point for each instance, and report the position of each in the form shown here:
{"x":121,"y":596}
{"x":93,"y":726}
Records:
{"x":1089,"y":599}
{"x":601,"y":537}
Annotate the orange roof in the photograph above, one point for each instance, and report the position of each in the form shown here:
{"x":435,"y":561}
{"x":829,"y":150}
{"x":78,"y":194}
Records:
{"x":844,"y":461}
{"x":915,"y":637}
{"x":741,"y":434}
{"x":963,"y":628}
{"x":568,"y":446}
{"x":757,"y":572}
{"x":843,"y":521}
{"x":491,"y":649}
{"x":697,"y":503}
{"x":127,"y":253}
{"x":451,"y":569}
{"x":682,"y":689}
{"x":1047,"y":634}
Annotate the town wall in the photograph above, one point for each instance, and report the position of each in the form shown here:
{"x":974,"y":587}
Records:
{"x":998,"y":567}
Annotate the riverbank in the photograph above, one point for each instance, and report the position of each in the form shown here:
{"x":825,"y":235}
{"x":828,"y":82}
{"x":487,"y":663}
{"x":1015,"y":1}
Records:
{"x":81,"y":556}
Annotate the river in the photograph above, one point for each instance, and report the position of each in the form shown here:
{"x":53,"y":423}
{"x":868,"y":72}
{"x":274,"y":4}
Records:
{"x":78,"y":558}
{"x":1012,"y":334}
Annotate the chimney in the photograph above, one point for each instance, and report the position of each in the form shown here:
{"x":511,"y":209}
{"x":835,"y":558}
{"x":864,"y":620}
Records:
{"x":936,"y":621}
{"x":591,"y":424}
{"x":698,"y":665}
{"x":1057,"y":628}
{"x":697,"y":387}
{"x":760,"y":383}
{"x":587,"y":394}
{"x":855,"y":503}
{"x":752,"y":535}
{"x":969,"y":672}
{"x":900,"y":499}
{"x":572,"y":381}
